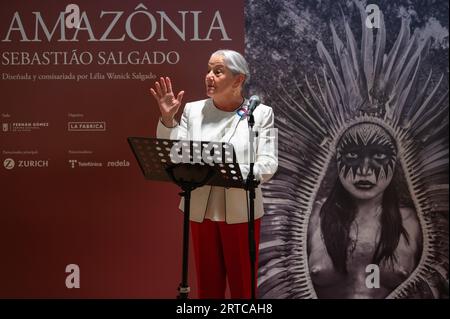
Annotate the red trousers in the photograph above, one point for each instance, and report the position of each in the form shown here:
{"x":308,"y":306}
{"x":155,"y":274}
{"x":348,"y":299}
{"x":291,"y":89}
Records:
{"x":221,"y":250}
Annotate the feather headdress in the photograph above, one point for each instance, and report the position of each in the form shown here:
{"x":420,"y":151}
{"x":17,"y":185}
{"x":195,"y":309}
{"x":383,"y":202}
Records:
{"x":362,"y":85}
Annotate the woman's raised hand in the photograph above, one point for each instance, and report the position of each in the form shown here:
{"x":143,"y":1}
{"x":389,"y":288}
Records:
{"x":168,"y":104}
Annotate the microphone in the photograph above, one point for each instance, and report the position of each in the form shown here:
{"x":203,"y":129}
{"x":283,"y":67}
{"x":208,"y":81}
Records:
{"x":252,"y":104}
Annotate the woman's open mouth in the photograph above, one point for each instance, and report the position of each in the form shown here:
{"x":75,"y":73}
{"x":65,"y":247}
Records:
{"x":364,"y":185}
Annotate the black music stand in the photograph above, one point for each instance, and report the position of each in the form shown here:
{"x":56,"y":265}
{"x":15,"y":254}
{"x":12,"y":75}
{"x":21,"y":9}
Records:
{"x":189,"y":164}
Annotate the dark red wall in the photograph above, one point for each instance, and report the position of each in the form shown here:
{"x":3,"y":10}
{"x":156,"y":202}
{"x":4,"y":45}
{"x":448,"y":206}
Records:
{"x":124,"y":232}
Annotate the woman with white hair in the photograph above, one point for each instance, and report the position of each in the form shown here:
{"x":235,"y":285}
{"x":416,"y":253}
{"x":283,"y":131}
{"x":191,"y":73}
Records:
{"x":219,"y":216}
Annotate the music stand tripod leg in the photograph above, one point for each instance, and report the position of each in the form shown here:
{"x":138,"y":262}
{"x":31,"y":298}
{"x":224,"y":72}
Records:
{"x":184,"y":288}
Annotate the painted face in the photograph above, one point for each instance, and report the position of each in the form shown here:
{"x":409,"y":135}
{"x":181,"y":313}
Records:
{"x":366,"y":156}
{"x":219,"y":80}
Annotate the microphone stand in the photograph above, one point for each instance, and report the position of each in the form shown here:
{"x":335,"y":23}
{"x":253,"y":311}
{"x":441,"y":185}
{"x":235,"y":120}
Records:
{"x":251,"y":184}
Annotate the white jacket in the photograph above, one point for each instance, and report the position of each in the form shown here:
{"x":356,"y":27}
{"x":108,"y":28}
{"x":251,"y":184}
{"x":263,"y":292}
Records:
{"x":202,"y":121}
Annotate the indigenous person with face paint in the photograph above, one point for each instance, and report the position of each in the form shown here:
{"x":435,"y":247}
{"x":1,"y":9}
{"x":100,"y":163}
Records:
{"x":362,"y":222}
{"x":219,"y":215}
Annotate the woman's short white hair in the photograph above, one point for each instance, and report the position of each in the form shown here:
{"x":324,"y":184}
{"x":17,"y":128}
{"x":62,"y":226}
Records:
{"x":235,"y":62}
